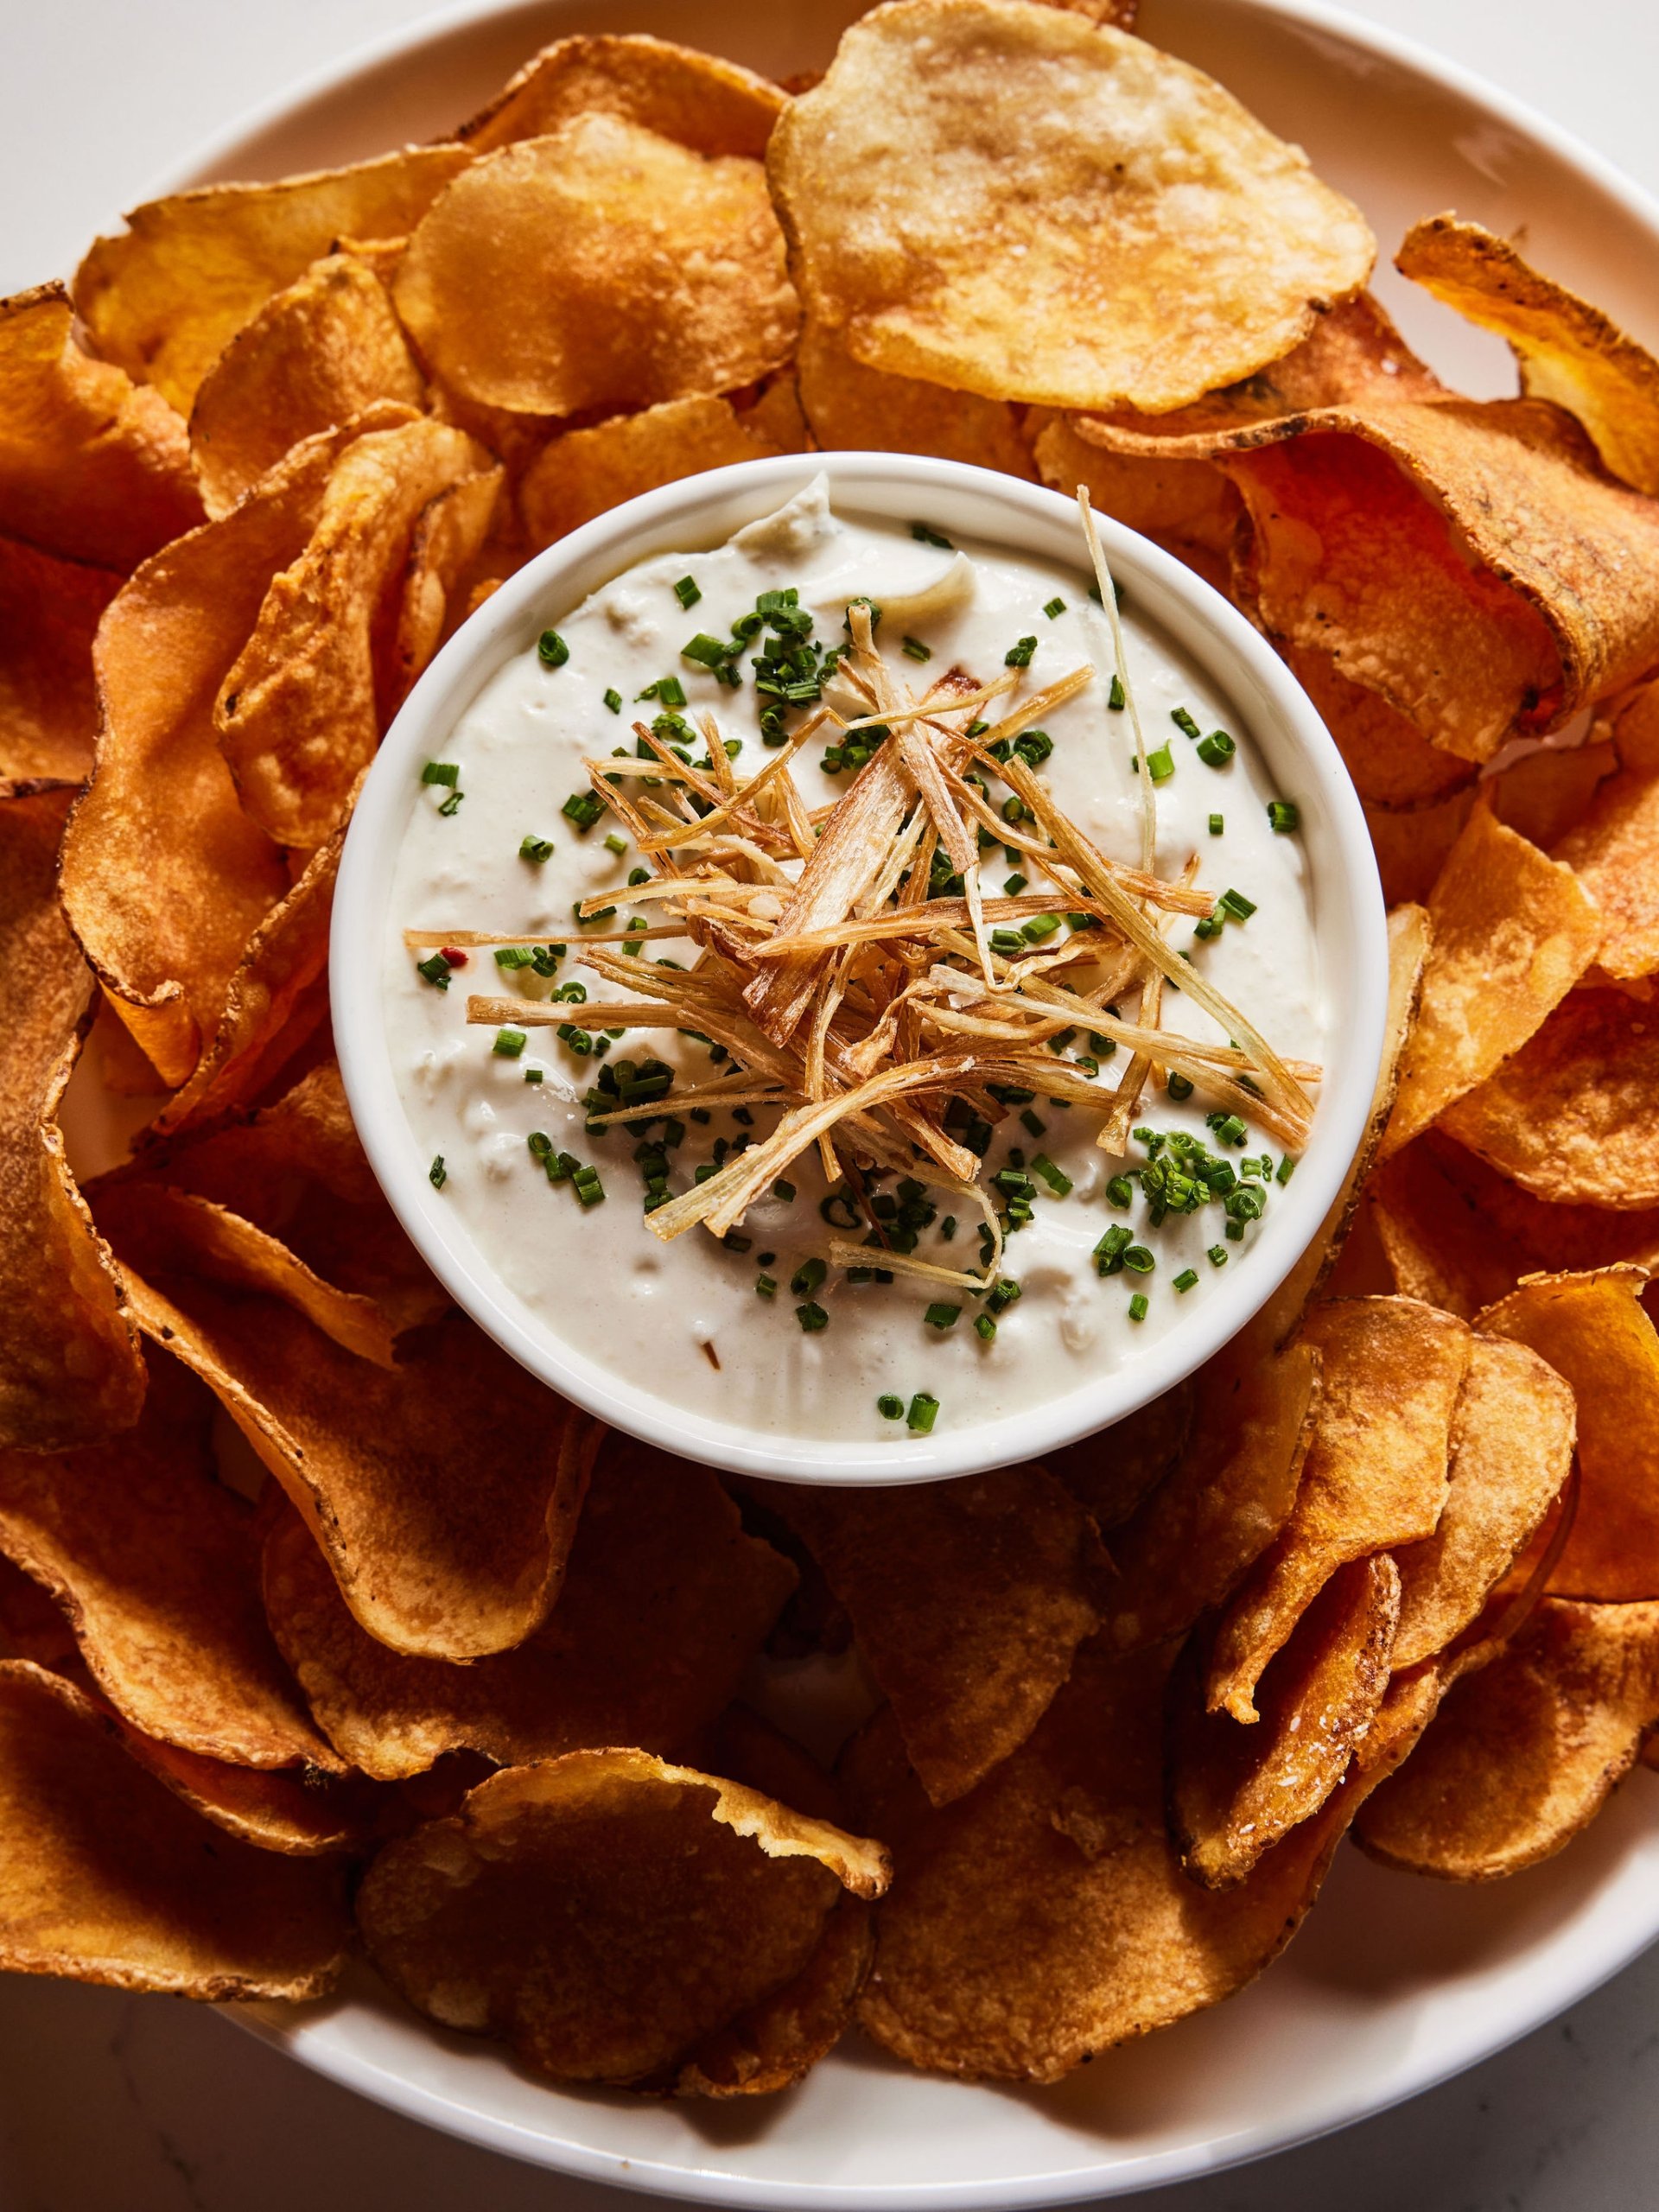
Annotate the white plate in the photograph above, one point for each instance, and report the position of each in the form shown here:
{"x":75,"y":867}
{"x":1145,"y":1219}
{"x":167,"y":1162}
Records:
{"x":1395,"y":1984}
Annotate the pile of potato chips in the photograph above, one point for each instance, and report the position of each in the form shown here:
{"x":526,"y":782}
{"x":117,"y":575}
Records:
{"x":439,"y":1671}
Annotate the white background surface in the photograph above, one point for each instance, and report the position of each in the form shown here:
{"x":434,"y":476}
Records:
{"x":110,"y":2104}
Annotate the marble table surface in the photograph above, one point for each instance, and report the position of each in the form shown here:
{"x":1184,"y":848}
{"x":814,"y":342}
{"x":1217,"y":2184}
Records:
{"x":111,"y":2103}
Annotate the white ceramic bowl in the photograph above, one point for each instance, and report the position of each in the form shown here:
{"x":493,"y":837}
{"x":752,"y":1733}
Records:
{"x":703,"y":512}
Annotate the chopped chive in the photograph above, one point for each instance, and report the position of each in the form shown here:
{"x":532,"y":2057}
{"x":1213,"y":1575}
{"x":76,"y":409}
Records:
{"x":924,"y":1412}
{"x":1286,"y":1169}
{"x":536,"y":848}
{"x":811,"y":1318}
{"x":452,"y":804}
{"x":1237,"y":907}
{"x":1055,"y":606}
{"x":1218,"y":749}
{"x":1283,"y":816}
{"x":913,"y":648}
{"x":509,"y":1043}
{"x":1120,"y":1192}
{"x":1115,"y":697}
{"x":1184,"y":722}
{"x":925,"y":534}
{"x":435,"y":970}
{"x":1005,"y":1292}
{"x":1019,"y":656}
{"x":706,"y":652}
{"x":765,"y":1287}
{"x":1137,"y":1257}
{"x":1013,"y":885}
{"x":614,"y":701}
{"x":1039,"y":928}
{"x":1138,"y":1307}
{"x":1177,"y":1085}
{"x":1216,"y":1256}
{"x":786,"y":1192}
{"x":437,"y":1175}
{"x":1159,"y":766}
{"x":1057,"y":1180}
{"x":1186,"y":1279}
{"x":532,"y":1075}
{"x":686,"y":591}
{"x":807,"y":1277}
{"x":1216,"y":825}
{"x":984,"y":1327}
{"x":943,"y":1317}
{"x":551,"y":650}
{"x":441,"y":771}
{"x":584,"y":809}
{"x":1034,"y":1123}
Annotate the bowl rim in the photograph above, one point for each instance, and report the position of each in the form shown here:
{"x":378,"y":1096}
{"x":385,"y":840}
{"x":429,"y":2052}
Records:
{"x":695,"y":513}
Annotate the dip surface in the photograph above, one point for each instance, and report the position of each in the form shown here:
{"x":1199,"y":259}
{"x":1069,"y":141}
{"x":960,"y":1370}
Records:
{"x":685,"y":1319}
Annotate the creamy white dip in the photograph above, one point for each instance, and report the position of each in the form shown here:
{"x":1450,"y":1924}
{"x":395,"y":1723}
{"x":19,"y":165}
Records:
{"x":684,"y":1317}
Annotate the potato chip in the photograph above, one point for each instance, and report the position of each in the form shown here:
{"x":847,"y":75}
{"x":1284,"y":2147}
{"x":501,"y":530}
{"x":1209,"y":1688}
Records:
{"x":855,"y":408}
{"x":600,"y":266}
{"x":70,"y":1370}
{"x":696,"y":99}
{"x":315,"y":354}
{"x":1441,"y":1243}
{"x":1392,"y":763}
{"x":156,"y":1566}
{"x":1511,"y":933}
{"x":447,"y":538}
{"x":648,"y":1906}
{"x":1411,"y":848}
{"x":300,"y":713}
{"x":1545,"y":793}
{"x":585,"y":473}
{"x":968,"y":1600}
{"x":665,"y":1602}
{"x":1188,"y":506}
{"x":93,"y":468}
{"x":1374,"y":1476}
{"x":1152,"y":240}
{"x":106,"y":1876}
{"x":49,"y":614}
{"x":304,"y":1812}
{"x":1570,"y":1116}
{"x":165,"y":297}
{"x":1552,"y":1238}
{"x":1512,"y":1440}
{"x":1568,"y":350}
{"x":1614,"y":848}
{"x":1046,"y":1916}
{"x":444,"y":1492}
{"x":1110,"y":1472}
{"x":1233,"y":1792}
{"x":31,"y":1626}
{"x":1593,"y":1329}
{"x":1523,"y":1756}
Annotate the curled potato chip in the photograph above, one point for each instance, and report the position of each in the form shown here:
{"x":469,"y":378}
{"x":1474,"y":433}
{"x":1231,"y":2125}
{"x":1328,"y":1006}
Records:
{"x":156,"y":1566}
{"x":696,"y":99}
{"x":1568,"y":350}
{"x":307,"y":1813}
{"x":106,"y":1876}
{"x":93,"y":468}
{"x":70,"y":1369}
{"x":665,"y":1601}
{"x":1569,"y":1116}
{"x":49,"y":614}
{"x":1046,"y":1916}
{"x":300,"y":712}
{"x":1593,"y":1329}
{"x":1511,"y":933}
{"x":1541,"y":796}
{"x":584,"y":472}
{"x":447,"y":540}
{"x":606,"y":1913}
{"x":1439,"y":1239}
{"x":1167,"y":242}
{"x":1614,"y":847}
{"x":444,"y":1491}
{"x":600,"y":266}
{"x":1188,"y":506}
{"x":1233,"y":1792}
{"x":1522,"y":1755}
{"x":314,"y":355}
{"x":1392,"y":763}
{"x":31,"y":1626}
{"x":968,"y":1600}
{"x":165,"y":297}
{"x":1539,"y":1234}
{"x":1512,"y":1440}
{"x":1110,"y":1472}
{"x":1375,"y":1475}
{"x":852,"y":408}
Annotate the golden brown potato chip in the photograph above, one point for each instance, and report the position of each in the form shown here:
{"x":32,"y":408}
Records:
{"x":605,"y":1913}
{"x":306,"y":1813}
{"x":31,"y":1626}
{"x":1411,"y":848}
{"x":49,"y":614}
{"x":70,"y":1369}
{"x":1392,"y":763}
{"x":1614,"y":847}
{"x":852,"y":408}
{"x":156,"y":1566}
{"x":93,"y":468}
{"x":166,"y":297}
{"x":1512,"y":1440}
{"x":1234,"y":1792}
{"x":968,"y":1600}
{"x":1149,"y":242}
{"x":1568,"y":350}
{"x":1046,"y":1916}
{"x":315,"y":354}
{"x":1522,"y":1755}
{"x":1440,"y":1242}
{"x":300,"y":713}
{"x":444,"y":1491}
{"x":1110,"y":1472}
{"x":1541,"y":797}
{"x":1545,"y":1237}
{"x":696,"y":99}
{"x":1374,"y":1476}
{"x":106,"y":1876}
{"x":1592,"y":1329}
{"x":447,"y":540}
{"x":600,"y":266}
{"x":1511,"y":933}
{"x":1570,"y":1116}
{"x":585,"y":473}
{"x":665,"y":1602}
{"x":1188,"y":506}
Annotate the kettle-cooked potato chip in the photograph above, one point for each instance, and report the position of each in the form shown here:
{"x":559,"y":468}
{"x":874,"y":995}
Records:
{"x":1187,"y":506}
{"x":1392,"y":763}
{"x":1511,"y":933}
{"x":49,"y":614}
{"x":665,"y":1601}
{"x":315,"y":354}
{"x":853,"y":408}
{"x":1522,"y":1757}
{"x":968,"y":1600}
{"x":106,"y":1876}
{"x":167,"y":295}
{"x":305,"y":1812}
{"x":605,"y":1913}
{"x":447,"y":538}
{"x":1112,"y":1472}
{"x":602,"y":266}
{"x":696,"y":99}
{"x":1146,"y":242}
{"x":1441,"y":1241}
{"x":70,"y":1369}
{"x":583,"y":473}
{"x":1614,"y":847}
